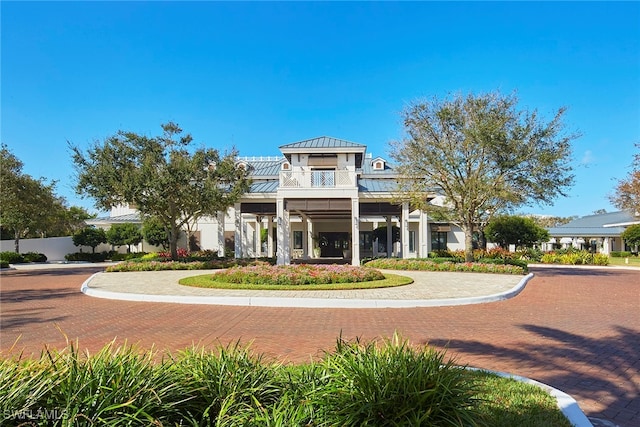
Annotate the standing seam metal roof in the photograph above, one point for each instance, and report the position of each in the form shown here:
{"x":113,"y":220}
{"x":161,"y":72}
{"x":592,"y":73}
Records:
{"x":324,"y":142}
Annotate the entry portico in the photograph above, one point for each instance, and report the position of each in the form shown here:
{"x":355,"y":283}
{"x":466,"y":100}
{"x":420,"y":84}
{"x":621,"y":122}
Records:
{"x":323,"y":199}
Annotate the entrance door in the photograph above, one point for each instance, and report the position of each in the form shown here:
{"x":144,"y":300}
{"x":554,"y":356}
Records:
{"x":333,"y":245}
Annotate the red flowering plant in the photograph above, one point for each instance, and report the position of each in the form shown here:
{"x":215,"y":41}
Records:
{"x":298,"y":274}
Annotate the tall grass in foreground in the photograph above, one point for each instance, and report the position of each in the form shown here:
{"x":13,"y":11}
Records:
{"x":388,"y":383}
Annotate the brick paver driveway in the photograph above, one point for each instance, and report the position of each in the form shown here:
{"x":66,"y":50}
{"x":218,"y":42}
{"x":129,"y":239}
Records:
{"x":578,"y":330}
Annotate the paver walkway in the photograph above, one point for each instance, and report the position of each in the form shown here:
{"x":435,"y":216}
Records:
{"x":577,"y":330}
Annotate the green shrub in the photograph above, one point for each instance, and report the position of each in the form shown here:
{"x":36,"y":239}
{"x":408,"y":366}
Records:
{"x":116,"y":256}
{"x":11,"y":257}
{"x":600,"y":259}
{"x":574,"y":258}
{"x":4,"y":264}
{"x":620,"y":254}
{"x":34,"y":257}
{"x":394,"y":384}
{"x":88,"y":256}
{"x":419,"y":264}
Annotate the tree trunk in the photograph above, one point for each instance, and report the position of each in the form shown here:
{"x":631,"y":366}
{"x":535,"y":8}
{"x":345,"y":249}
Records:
{"x":468,"y":241}
{"x":173,"y":241}
{"x":16,"y":242}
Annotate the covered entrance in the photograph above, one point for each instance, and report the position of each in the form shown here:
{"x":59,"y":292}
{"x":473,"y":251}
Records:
{"x":334,"y":245}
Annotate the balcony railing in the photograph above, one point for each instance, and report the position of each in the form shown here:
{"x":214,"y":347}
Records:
{"x":317,"y":179}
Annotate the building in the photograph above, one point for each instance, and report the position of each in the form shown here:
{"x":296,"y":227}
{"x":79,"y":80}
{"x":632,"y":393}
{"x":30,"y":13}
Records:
{"x":601,"y":232}
{"x":322,"y":198}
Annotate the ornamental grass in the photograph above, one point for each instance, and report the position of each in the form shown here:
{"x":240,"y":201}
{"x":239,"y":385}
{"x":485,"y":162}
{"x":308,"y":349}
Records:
{"x":385,"y":383}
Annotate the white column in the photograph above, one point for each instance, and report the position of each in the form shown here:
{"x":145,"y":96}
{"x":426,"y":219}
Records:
{"x":389,"y":238}
{"x":423,"y":237}
{"x":375,"y":241}
{"x":237,"y":247}
{"x":221,"y":219}
{"x":355,"y":231}
{"x":270,"y":236}
{"x":305,"y":242}
{"x":310,"y":242}
{"x":258,"y":236}
{"x":284,"y":256}
{"x":404,"y":224}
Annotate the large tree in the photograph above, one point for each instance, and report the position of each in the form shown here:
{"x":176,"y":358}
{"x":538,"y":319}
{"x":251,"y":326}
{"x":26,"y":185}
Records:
{"x":484,"y":154}
{"x":627,"y":192}
{"x":163,"y":177}
{"x":27,"y":204}
{"x":520,"y":231}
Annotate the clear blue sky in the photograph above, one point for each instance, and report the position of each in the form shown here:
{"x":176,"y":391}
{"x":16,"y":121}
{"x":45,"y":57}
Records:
{"x":259,"y":75}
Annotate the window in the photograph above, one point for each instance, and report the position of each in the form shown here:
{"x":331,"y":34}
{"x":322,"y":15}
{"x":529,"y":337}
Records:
{"x":412,"y":241}
{"x":286,"y":166}
{"x":438,"y":240}
{"x":297,"y":239}
{"x":378,"y":164}
{"x":366,"y":240}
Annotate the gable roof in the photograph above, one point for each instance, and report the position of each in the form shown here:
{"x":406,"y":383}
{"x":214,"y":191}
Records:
{"x":605,"y":225}
{"x":323,"y":142}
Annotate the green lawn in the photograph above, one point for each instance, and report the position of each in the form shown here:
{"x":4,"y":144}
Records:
{"x":634,"y":261}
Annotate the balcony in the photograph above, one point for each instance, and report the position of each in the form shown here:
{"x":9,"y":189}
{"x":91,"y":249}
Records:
{"x":318,"y":179}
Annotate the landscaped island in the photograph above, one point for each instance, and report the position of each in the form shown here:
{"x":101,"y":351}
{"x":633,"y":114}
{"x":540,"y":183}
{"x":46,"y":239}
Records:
{"x":297,"y":277}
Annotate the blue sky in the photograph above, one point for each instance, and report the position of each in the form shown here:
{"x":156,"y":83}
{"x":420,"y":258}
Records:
{"x":259,"y":75}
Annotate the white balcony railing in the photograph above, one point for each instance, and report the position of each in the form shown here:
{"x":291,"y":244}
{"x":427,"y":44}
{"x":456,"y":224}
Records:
{"x":317,"y":179}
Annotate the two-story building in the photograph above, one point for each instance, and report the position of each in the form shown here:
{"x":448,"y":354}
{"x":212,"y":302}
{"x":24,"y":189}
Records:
{"x":324,"y":198}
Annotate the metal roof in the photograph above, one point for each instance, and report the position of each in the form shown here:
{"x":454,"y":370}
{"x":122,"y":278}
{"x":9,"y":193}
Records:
{"x":265,"y":168}
{"x":376,"y":185}
{"x":594,"y":225}
{"x":132,"y":217}
{"x":324,"y":142}
{"x":270,"y":186}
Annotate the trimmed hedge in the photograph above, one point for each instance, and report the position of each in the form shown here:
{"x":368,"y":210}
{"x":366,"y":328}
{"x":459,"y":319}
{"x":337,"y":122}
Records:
{"x":418,"y":264}
{"x":87,"y":256}
{"x":620,"y":254}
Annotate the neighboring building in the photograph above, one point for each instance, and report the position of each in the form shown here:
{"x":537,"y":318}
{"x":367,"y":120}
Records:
{"x":323,"y":198}
{"x":601,"y":231}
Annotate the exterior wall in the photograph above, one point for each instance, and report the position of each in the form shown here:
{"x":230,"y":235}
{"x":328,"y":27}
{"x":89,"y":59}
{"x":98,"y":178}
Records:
{"x":455,"y":239}
{"x":55,"y":248}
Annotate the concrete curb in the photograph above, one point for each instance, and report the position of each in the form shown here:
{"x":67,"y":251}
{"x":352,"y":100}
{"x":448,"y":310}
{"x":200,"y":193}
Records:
{"x":301,"y":302}
{"x":566,"y":403}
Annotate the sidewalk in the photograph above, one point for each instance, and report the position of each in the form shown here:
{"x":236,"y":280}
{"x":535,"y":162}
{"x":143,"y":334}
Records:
{"x":430,"y":289}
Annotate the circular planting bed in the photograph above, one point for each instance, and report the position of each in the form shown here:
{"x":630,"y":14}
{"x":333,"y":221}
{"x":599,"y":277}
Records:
{"x":297,"y":277}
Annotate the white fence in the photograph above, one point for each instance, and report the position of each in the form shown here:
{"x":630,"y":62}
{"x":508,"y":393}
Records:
{"x":55,"y":248}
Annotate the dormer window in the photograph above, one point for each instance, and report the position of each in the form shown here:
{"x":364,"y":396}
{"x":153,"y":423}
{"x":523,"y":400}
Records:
{"x":242,"y":165}
{"x":286,"y":166}
{"x":378,"y":164}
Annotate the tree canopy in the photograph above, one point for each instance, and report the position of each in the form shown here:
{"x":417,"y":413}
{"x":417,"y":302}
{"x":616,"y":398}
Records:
{"x":163,"y":177}
{"x":124,"y":234}
{"x":627,"y":192}
{"x":508,"y":230}
{"x":89,"y":236}
{"x":155,"y":232}
{"x":28,"y":206}
{"x":632,"y":235}
{"x":484,"y":154}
